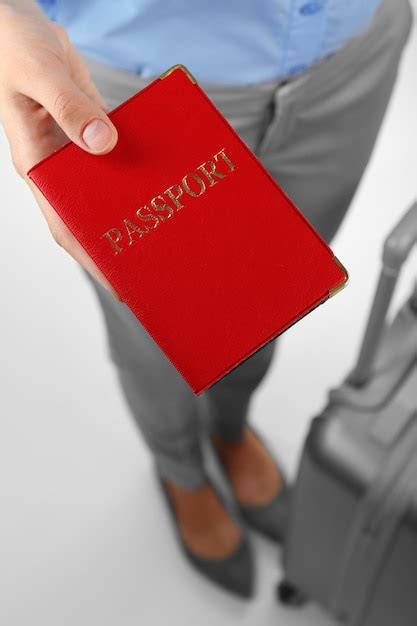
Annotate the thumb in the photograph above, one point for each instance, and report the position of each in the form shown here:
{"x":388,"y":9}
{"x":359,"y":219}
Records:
{"x":81,"y":119}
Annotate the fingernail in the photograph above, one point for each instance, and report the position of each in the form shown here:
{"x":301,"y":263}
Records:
{"x":97,"y":135}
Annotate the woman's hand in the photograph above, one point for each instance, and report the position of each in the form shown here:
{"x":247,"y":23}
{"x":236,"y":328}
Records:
{"x":46,"y":98}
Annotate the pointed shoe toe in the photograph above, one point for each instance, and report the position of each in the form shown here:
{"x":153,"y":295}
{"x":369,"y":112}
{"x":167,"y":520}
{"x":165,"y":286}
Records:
{"x":235,"y":573}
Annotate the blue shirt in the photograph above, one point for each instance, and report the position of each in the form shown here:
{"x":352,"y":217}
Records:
{"x":223,"y":41}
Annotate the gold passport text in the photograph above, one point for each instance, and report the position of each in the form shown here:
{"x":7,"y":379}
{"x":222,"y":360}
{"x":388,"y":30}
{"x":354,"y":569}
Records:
{"x":163,"y":206}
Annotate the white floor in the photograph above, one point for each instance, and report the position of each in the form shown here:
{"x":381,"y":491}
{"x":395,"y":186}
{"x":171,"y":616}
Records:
{"x":84,"y":537}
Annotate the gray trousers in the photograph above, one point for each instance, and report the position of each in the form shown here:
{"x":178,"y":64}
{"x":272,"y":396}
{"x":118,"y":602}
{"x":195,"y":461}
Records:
{"x":314,"y":133}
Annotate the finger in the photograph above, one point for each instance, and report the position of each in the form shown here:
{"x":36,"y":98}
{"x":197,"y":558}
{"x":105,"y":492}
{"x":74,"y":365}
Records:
{"x":80,"y":74}
{"x":81,"y":119}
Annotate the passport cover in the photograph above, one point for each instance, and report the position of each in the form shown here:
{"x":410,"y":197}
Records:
{"x":192,"y":232}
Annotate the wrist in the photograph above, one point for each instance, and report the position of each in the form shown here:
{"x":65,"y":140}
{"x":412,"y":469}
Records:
{"x":8,"y":8}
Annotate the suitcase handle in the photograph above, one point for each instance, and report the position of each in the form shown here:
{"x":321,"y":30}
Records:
{"x":397,"y":248}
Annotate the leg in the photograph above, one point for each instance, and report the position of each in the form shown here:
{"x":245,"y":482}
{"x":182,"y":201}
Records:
{"x":165,"y":409}
{"x":168,"y":414}
{"x":316,"y":146}
{"x":322,"y":132}
{"x":229,"y":398}
{"x":326,"y":121}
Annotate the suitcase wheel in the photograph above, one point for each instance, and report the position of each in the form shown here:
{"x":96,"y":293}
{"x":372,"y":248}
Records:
{"x":289,"y":594}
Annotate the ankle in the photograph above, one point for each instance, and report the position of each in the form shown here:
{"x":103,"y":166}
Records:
{"x":229,"y":445}
{"x":253,"y":473}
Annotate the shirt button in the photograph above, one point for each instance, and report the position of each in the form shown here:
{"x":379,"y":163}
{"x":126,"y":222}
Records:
{"x":310,"y":8}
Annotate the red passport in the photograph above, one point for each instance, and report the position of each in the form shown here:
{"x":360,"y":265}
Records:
{"x":190,"y":229}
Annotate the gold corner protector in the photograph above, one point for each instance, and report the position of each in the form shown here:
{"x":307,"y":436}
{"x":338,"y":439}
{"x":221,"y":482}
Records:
{"x":334,"y":290}
{"x":181,"y":67}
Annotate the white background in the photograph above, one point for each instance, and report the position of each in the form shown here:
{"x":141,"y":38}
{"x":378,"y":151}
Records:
{"x":84,"y":535}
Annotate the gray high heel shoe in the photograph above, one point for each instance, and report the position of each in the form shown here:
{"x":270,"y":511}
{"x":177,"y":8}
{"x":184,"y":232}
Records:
{"x":234,"y":573}
{"x":269,"y":519}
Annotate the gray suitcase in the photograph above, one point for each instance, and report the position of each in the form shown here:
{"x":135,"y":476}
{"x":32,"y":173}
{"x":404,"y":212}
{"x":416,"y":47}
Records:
{"x":352,"y":532}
